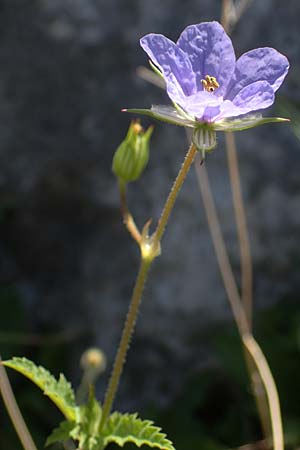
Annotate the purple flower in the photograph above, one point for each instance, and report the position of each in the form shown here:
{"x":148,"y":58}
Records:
{"x":204,"y":78}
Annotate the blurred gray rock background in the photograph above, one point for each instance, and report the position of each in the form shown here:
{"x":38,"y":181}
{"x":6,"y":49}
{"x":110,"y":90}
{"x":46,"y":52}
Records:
{"x":67,"y":67}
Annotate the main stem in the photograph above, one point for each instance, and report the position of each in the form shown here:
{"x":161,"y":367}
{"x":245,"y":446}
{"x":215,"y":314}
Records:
{"x":125,"y":339}
{"x":139,"y":286}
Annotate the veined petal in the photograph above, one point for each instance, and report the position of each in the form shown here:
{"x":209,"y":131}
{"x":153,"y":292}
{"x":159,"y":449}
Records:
{"x":261,"y":64}
{"x":210,"y":52}
{"x":173,"y":63}
{"x":258,"y":95}
{"x":254,"y":97}
{"x":196,"y":104}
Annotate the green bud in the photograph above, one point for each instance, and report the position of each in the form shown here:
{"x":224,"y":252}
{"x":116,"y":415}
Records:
{"x":132,"y":155}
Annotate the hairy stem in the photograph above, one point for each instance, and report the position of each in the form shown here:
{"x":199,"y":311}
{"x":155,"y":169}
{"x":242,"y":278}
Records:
{"x":125,"y":339}
{"x":190,"y":156}
{"x":139,"y":286}
{"x":14,"y":411}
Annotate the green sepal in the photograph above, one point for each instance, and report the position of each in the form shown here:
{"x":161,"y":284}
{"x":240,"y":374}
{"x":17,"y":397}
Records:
{"x":124,"y":428}
{"x":245,"y":122}
{"x":177,"y":116}
{"x":167,"y":114}
{"x":156,"y":69}
{"x":59,"y":391}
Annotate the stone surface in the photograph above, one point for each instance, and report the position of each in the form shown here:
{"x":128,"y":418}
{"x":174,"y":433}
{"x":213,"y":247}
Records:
{"x":67,"y":67}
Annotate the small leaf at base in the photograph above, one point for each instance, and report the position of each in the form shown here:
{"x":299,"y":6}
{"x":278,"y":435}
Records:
{"x":61,"y":433}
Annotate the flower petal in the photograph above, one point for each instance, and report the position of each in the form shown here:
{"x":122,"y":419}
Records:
{"x":211,"y":53}
{"x":254,"y":97}
{"x":195,"y":104}
{"x":257,"y":65}
{"x":174,"y":64}
{"x":258,"y":95}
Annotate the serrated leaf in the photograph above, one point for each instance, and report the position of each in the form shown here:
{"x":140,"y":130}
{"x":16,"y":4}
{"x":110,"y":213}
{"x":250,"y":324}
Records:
{"x":123,"y":428}
{"x":59,"y":391}
{"x":90,"y":415}
{"x":88,"y":418}
{"x":61,"y":433}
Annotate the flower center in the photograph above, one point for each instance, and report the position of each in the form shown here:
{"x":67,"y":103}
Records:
{"x":209,"y":83}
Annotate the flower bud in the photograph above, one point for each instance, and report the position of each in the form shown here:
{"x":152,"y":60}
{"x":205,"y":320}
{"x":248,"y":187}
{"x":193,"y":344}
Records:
{"x":132,"y":155}
{"x":93,"y":359}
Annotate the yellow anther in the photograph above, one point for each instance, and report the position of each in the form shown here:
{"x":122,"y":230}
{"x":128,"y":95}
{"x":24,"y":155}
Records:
{"x":209,"y":83}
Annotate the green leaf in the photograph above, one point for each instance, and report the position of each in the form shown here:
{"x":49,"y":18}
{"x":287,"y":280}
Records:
{"x":123,"y":428}
{"x":59,"y":391}
{"x":61,"y":433}
{"x":90,"y":415}
{"x":245,"y":122}
{"x":86,"y":431}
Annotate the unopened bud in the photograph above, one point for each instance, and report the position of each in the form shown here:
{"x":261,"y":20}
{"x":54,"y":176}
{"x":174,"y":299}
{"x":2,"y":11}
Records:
{"x":132,"y":155}
{"x":93,"y":359}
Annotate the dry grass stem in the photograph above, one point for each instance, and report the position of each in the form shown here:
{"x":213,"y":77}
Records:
{"x":262,"y":375}
{"x":14,"y":411}
{"x":242,"y":230}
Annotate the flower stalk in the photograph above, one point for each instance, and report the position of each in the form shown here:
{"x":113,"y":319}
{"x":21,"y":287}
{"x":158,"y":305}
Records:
{"x":150,"y":249}
{"x":127,"y":217}
{"x":125,"y":339}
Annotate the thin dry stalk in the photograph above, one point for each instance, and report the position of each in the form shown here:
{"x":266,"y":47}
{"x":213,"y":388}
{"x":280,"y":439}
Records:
{"x":266,"y":375}
{"x":148,"y":75}
{"x":242,"y":229}
{"x":263,"y":373}
{"x":14,"y":411}
{"x":232,"y":13}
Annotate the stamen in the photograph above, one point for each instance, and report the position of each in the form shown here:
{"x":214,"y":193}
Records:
{"x":210,"y":83}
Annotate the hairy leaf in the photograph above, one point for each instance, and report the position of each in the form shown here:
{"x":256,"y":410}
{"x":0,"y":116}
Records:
{"x":88,"y":419}
{"x":59,"y":391}
{"x":123,"y":428}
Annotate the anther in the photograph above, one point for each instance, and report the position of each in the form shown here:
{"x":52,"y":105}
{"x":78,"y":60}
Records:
{"x":210,"y":83}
